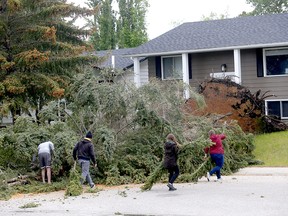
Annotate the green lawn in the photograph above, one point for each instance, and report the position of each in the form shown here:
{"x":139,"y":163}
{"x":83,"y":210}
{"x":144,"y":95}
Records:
{"x":272,"y":148}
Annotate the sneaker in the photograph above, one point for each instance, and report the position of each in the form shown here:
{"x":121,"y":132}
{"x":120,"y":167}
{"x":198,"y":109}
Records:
{"x":208,"y":176}
{"x":171,"y":187}
{"x":92,"y":186}
{"x":219,"y":180}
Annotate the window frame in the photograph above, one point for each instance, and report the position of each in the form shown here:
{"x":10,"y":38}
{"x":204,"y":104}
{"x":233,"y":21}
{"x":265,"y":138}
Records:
{"x":162,"y":67}
{"x":265,"y":63}
{"x":281,"y":107}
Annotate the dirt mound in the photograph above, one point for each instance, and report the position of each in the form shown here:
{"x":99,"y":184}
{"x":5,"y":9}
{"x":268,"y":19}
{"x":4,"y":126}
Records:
{"x":225,"y":97}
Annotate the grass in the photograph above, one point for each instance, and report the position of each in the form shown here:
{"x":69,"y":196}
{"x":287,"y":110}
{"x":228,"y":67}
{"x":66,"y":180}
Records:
{"x":30,"y":205}
{"x":272,"y":149}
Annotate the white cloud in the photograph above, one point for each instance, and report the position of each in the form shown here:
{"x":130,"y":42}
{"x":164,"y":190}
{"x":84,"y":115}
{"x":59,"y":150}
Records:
{"x":163,"y":14}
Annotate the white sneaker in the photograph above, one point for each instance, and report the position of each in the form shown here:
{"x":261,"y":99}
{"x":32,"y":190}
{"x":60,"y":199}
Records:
{"x":219,"y":180}
{"x":208,"y":176}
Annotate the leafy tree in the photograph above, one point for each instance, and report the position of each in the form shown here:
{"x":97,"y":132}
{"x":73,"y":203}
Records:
{"x":215,"y":16}
{"x":267,"y":7}
{"x":39,"y":52}
{"x":118,"y":29}
{"x":131,"y":28}
{"x":104,"y":25}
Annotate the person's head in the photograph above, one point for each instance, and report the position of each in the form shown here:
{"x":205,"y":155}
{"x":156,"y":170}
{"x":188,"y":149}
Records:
{"x":42,"y":138}
{"x":211,"y":132}
{"x":171,"y":137}
{"x":89,"y":135}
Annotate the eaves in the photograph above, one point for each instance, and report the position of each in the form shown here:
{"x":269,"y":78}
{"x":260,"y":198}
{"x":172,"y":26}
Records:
{"x":177,"y":52}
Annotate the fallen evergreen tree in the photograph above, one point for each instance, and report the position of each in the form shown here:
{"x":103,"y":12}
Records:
{"x":129,"y":127}
{"x":238,"y":154}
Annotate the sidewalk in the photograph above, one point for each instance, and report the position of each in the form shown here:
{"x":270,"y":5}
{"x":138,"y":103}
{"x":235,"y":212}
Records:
{"x":250,"y":192}
{"x":263,"y":171}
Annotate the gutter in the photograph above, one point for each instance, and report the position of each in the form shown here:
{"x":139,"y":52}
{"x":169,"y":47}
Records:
{"x":208,"y":50}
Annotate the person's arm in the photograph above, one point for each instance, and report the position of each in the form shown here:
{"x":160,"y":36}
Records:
{"x":75,"y":151}
{"x":51,"y":146}
{"x":222,"y":136}
{"x":206,"y":150}
{"x":178,"y":145}
{"x":92,"y":155}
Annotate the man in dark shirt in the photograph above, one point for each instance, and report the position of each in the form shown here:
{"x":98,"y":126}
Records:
{"x":84,"y":151}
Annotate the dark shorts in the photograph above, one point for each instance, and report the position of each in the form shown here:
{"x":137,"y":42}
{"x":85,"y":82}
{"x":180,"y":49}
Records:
{"x":45,"y":160}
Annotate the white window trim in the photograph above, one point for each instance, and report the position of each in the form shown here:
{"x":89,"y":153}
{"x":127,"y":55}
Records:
{"x":279,"y":100}
{"x":162,"y":67}
{"x":264,"y":62}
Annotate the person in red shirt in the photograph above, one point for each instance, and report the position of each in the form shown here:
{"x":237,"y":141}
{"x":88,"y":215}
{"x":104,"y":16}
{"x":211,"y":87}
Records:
{"x":216,"y":152}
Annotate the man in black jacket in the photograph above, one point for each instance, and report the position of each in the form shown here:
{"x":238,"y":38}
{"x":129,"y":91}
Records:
{"x":85,"y":152}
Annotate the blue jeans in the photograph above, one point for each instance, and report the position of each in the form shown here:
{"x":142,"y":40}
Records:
{"x":218,"y":159}
{"x":85,"y":164}
{"x":173,"y":174}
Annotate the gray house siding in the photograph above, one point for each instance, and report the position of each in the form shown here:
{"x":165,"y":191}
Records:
{"x":275,"y":85}
{"x":151,"y":67}
{"x":204,"y":64}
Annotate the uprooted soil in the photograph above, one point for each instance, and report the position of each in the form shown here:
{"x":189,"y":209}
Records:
{"x":224,"y":97}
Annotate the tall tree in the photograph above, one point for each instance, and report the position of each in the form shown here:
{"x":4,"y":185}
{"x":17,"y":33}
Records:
{"x":104,"y":25}
{"x":131,"y":26}
{"x":215,"y":16}
{"x":267,"y":7}
{"x":39,"y":51}
{"x":119,"y":23}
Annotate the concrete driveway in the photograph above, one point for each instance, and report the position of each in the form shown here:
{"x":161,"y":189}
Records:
{"x":251,"y":191}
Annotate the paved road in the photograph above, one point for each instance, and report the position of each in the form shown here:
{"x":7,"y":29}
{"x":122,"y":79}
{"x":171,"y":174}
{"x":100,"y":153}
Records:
{"x":251,"y":191}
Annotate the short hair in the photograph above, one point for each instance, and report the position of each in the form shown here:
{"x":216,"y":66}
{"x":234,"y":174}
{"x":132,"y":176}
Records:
{"x":171,"y":137}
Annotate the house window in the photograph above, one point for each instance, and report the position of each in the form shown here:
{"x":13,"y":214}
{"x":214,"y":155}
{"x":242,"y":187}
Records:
{"x":278,"y":108}
{"x":172,"y":67}
{"x":276,"y":62}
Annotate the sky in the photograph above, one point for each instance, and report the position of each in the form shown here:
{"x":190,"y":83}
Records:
{"x":163,"y":15}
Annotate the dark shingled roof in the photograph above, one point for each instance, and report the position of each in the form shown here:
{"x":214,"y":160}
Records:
{"x":121,"y":61}
{"x":240,"y":32}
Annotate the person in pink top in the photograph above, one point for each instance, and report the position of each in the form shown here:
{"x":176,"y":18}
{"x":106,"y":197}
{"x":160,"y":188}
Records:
{"x":216,"y":152}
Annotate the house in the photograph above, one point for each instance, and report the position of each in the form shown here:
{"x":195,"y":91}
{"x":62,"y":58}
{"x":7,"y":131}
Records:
{"x":116,"y":59}
{"x":251,"y":49}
